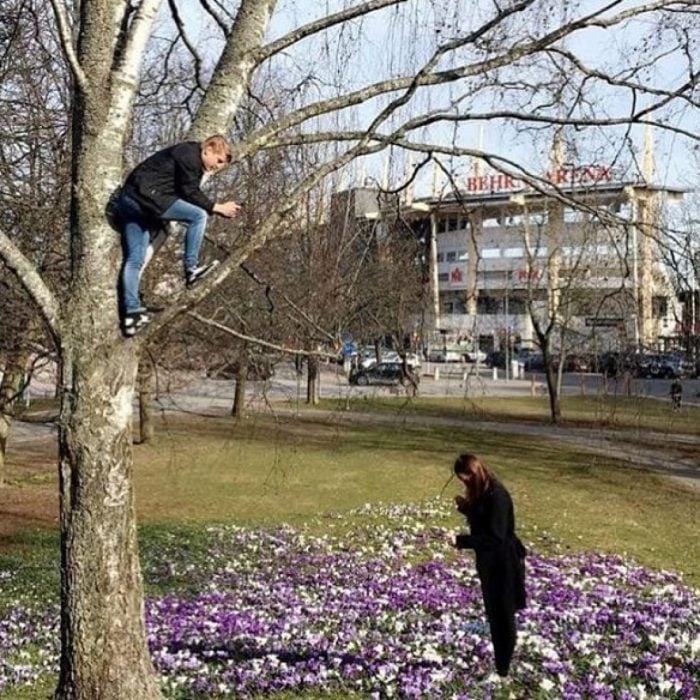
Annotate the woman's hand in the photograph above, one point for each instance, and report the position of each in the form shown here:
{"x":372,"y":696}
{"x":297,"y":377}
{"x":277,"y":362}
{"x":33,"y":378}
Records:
{"x":460,"y":502}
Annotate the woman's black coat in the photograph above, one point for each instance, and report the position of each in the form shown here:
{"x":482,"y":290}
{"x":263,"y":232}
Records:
{"x":499,"y":552}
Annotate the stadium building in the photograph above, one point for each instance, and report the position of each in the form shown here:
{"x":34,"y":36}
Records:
{"x":578,"y":246}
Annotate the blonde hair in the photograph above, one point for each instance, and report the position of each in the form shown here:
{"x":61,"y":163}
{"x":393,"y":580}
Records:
{"x":219,"y":144}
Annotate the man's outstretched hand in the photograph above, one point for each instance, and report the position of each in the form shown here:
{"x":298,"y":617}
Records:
{"x":227,"y":209}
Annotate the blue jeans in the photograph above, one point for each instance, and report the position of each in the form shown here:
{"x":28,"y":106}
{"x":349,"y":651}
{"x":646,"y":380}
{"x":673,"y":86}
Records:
{"x":136,"y":226}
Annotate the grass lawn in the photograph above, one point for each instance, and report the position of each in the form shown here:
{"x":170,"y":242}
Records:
{"x":265,"y":471}
{"x":585,"y":411}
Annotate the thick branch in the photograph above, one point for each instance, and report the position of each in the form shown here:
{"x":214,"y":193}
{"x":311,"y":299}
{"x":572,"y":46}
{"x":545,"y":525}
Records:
{"x":32,"y":282}
{"x":320,"y":25}
{"x":66,"y":40}
{"x":129,"y":61}
{"x":232,"y":73}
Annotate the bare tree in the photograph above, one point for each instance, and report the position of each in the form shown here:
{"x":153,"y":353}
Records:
{"x":504,"y":45}
{"x":34,"y":179}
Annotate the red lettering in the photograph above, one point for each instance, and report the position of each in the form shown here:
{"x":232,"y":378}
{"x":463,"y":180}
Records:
{"x":605,"y":173}
{"x":589,"y":174}
{"x":559,"y":176}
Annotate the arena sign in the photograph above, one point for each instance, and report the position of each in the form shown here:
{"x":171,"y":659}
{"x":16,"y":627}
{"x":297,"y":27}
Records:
{"x":566,"y":177}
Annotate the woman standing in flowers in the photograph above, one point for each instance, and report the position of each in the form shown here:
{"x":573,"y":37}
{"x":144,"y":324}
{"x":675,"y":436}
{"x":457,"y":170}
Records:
{"x":499,"y":553}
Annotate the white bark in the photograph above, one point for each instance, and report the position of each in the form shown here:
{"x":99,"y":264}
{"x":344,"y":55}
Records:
{"x":32,"y":282}
{"x":64,"y":34}
{"x":232,"y":73}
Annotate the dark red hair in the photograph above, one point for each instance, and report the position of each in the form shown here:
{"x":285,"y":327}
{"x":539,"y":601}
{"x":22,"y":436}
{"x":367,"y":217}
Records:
{"x":482,"y":479}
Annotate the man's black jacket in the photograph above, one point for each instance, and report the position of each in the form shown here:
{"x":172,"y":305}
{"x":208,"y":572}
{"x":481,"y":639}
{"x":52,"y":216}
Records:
{"x":173,"y":173}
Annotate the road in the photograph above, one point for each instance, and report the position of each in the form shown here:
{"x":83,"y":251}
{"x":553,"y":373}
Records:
{"x":454,"y":380}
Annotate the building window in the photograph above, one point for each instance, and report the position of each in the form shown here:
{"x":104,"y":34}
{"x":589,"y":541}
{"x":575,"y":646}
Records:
{"x":441,"y":257}
{"x":659,"y":307}
{"x":443,"y":277}
{"x":517,"y":307}
{"x":449,"y":223}
{"x":488,"y":305}
{"x":462,"y":255}
{"x":451,"y":256}
{"x":491,"y":253}
{"x":574,"y":215}
{"x":513,"y":253}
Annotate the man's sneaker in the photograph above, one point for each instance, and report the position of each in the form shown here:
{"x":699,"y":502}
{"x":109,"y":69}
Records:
{"x":197,"y":274}
{"x":134,"y":322}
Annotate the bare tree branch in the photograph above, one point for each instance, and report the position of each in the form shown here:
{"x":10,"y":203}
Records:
{"x":320,"y":25}
{"x":426,"y":78}
{"x":257,"y":341}
{"x":66,"y":40}
{"x":32,"y":282}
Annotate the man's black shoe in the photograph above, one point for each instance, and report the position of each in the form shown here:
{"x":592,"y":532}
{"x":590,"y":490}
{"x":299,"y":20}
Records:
{"x":197,"y":274}
{"x":134,"y":322}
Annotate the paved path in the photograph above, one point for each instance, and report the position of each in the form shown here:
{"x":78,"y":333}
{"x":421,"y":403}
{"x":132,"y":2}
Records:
{"x":658,"y":452}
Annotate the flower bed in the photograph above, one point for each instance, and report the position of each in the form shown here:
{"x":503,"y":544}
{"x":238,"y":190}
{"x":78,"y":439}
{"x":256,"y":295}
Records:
{"x":386,"y":610}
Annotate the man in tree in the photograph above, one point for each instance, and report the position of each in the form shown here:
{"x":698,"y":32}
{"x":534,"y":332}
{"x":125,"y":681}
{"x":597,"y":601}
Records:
{"x":167,"y":187}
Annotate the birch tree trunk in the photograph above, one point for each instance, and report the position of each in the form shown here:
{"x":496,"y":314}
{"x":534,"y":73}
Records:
{"x":145,"y":383}
{"x":103,"y":636}
{"x":104,"y":651}
{"x":312,"y":388}
{"x":238,"y":408}
{"x":10,"y":386}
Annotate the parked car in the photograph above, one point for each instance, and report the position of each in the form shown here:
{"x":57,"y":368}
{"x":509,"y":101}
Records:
{"x":443,"y":355}
{"x":385,"y":373}
{"x":475,"y":356}
{"x":534,"y":363}
{"x":578,"y":363}
{"x":496,"y":358}
{"x":670,"y":367}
